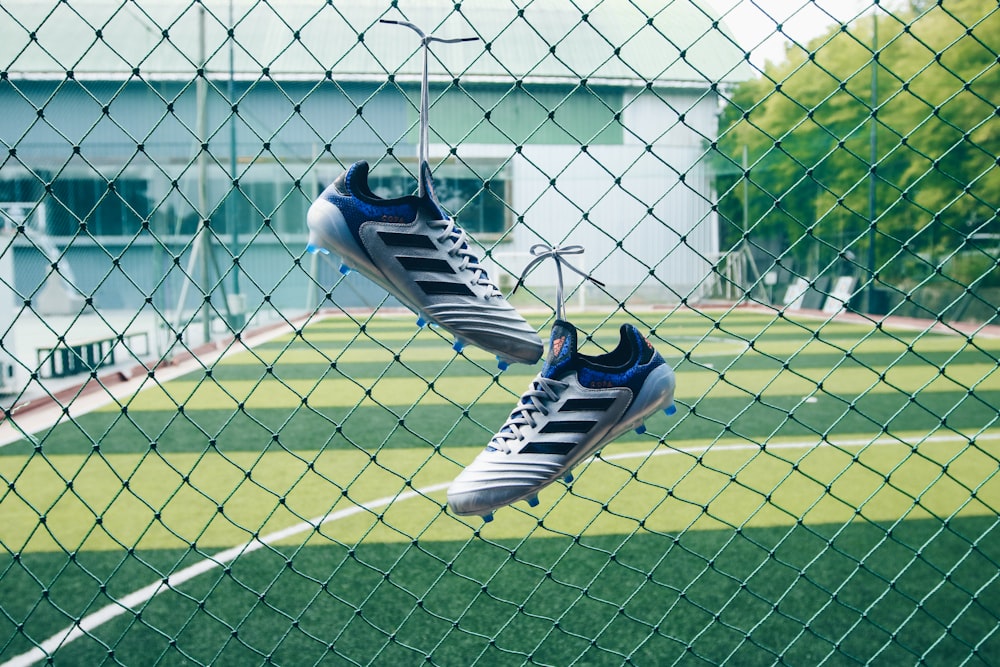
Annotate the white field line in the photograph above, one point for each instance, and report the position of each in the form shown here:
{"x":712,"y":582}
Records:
{"x":802,"y":444}
{"x":93,"y":621}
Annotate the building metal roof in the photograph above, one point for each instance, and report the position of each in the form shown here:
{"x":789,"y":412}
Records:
{"x":618,"y":42}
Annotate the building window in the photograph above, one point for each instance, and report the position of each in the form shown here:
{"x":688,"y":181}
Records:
{"x":475,"y":195}
{"x":256,"y":201}
{"x":108,"y":209}
{"x":480,"y":206}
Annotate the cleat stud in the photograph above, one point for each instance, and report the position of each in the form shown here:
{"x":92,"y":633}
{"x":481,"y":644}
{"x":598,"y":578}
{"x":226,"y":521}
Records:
{"x":533,"y":501}
{"x":458,"y":346}
{"x":670,"y":409}
{"x":640,"y":429}
{"x":568,"y":478}
{"x":345,"y":269}
{"x":487,"y":517}
{"x":421,"y":322}
{"x":502,"y":365}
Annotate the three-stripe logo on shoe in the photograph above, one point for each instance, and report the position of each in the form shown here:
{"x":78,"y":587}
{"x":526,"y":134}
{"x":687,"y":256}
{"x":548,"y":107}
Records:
{"x":581,"y":404}
{"x":421,"y":264}
{"x":570,"y":425}
{"x":404,"y":240}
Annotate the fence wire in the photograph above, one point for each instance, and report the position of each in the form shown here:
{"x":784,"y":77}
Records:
{"x":218,"y":449}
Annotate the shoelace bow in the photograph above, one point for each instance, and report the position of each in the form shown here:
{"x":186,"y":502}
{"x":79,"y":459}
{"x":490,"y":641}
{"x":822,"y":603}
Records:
{"x":543,"y":391}
{"x":544,"y":251}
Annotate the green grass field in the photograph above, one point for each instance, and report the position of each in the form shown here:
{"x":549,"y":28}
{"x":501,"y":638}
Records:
{"x":826,"y":491}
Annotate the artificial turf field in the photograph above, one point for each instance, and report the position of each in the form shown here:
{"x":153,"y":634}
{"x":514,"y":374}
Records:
{"x":826,"y":491}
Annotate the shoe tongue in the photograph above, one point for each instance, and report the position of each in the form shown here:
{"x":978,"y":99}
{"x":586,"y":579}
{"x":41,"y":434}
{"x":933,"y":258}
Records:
{"x":562,"y":347}
{"x":431,"y":201}
{"x":358,"y":171}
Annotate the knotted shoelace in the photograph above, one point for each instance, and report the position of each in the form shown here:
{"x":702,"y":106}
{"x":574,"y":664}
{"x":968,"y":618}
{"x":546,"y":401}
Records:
{"x":544,"y":251}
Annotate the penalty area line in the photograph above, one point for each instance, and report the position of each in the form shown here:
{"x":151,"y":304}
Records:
{"x":801,"y":444}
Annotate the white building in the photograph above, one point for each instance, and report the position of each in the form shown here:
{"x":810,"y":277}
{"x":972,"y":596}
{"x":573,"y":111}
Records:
{"x":584,"y":126}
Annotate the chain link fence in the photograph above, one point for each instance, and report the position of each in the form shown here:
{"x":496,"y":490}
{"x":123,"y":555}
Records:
{"x":215,"y":448}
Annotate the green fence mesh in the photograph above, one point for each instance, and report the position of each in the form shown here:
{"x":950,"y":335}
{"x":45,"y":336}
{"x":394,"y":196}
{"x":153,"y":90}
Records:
{"x":217,"y":449}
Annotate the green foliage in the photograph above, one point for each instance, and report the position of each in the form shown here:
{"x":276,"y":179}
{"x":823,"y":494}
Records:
{"x":807,"y":127}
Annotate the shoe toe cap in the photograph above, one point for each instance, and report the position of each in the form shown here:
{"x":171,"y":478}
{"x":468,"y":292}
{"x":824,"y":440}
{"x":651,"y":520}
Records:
{"x":487,"y":484}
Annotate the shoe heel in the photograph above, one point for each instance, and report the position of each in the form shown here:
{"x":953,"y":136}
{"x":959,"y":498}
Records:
{"x":656,"y":394}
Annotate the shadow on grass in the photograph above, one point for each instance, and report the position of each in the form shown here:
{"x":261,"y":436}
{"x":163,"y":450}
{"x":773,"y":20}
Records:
{"x":373,"y":427}
{"x":847,"y":593}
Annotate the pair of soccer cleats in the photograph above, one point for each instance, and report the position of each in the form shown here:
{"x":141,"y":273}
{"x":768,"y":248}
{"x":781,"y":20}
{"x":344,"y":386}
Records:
{"x":574,"y":406}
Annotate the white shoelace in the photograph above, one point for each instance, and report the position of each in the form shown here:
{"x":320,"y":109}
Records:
{"x":544,"y":251}
{"x":536,"y":400}
{"x":460,"y":248}
{"x":425,"y":42}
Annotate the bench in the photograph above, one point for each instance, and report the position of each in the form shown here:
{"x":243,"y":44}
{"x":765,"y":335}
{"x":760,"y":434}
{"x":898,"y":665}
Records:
{"x":66,"y":359}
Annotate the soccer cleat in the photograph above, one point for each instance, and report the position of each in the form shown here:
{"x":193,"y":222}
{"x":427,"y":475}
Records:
{"x":412,"y":249}
{"x":576,"y":405}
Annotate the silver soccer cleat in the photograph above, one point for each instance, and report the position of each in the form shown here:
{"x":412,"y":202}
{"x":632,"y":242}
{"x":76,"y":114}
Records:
{"x":575,"y":406}
{"x":412,"y":249}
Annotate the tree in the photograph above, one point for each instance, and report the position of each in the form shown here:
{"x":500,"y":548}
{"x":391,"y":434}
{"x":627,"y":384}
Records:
{"x":806,"y":124}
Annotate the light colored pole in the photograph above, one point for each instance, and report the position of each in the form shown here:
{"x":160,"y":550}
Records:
{"x":236,"y":314}
{"x":873,"y":157}
{"x":202,"y":240}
